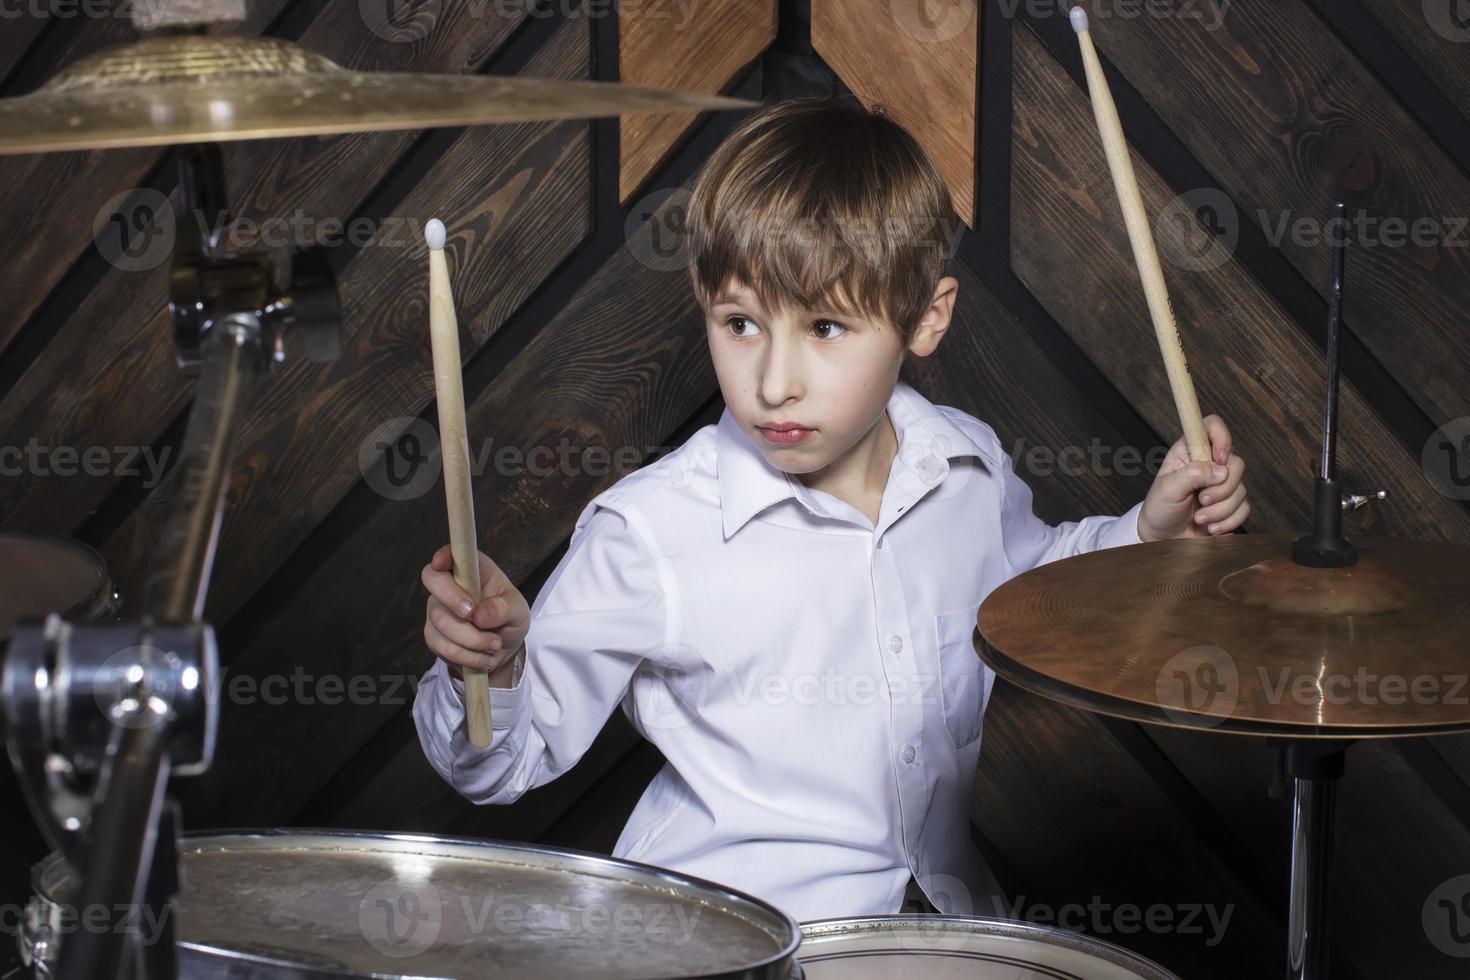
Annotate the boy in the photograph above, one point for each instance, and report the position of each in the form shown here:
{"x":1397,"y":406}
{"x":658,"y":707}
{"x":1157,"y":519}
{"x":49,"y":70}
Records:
{"x":784,"y":604}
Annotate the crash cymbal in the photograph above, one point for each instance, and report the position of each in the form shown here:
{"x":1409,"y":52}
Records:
{"x":1230,"y":634}
{"x":187,"y":88}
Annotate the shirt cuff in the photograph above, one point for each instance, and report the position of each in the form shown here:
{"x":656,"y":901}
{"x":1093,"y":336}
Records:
{"x":1123,"y":531}
{"x":506,"y":703}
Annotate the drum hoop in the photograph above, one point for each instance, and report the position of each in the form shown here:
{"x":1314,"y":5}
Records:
{"x":684,"y":884}
{"x":961,"y":924}
{"x":99,"y":603}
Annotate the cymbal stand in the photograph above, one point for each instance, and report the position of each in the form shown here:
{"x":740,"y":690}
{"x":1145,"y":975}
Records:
{"x":100,"y":716}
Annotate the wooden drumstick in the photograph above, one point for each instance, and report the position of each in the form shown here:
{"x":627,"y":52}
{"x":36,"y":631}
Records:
{"x":454,"y":448}
{"x":1145,"y":256}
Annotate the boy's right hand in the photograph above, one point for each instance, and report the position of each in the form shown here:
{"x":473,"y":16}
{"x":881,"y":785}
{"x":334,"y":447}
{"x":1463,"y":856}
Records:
{"x":486,"y":631}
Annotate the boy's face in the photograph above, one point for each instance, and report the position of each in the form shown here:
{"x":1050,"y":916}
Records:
{"x":829,"y":373}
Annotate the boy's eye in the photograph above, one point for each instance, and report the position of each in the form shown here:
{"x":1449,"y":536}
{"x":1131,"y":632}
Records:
{"x":831,"y":324}
{"x":735,"y":322}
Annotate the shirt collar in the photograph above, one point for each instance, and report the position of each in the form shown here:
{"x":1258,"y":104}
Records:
{"x":927,"y":441}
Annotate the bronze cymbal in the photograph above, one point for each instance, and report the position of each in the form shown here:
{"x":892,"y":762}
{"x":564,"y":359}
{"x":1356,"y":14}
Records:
{"x":188,"y":88}
{"x":1230,"y":634}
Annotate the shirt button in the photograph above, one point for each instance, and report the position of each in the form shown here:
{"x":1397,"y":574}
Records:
{"x":895,"y":643}
{"x":908,"y":753}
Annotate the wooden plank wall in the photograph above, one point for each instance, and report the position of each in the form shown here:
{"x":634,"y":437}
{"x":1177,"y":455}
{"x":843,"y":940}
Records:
{"x":576,"y":327}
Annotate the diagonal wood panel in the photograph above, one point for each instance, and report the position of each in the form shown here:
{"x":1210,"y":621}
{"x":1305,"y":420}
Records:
{"x":1285,"y":117}
{"x":919,"y":60}
{"x":591,"y":376}
{"x":1249,"y":362}
{"x":120,"y":386}
{"x":1072,"y":252}
{"x":22,"y":28}
{"x":517,"y":201}
{"x":692,"y":47}
{"x":1437,"y":34}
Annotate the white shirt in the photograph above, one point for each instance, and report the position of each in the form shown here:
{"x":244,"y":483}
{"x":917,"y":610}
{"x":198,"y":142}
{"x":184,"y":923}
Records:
{"x":809,"y":677}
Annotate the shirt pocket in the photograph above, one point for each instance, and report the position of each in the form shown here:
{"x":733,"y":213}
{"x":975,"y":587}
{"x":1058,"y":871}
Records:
{"x":964,"y":680}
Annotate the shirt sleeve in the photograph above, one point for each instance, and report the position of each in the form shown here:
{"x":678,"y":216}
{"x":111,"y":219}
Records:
{"x":1029,"y":541}
{"x":600,"y":614}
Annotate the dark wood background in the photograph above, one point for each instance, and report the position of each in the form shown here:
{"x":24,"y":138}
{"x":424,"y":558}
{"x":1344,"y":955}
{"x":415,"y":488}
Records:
{"x":578,"y":325}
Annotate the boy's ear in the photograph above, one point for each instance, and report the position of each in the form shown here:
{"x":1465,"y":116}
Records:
{"x":935,"y":320}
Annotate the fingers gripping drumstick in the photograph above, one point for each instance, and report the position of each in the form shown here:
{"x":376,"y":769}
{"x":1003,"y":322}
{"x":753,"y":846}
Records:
{"x":1144,"y":254}
{"x":454,"y":447}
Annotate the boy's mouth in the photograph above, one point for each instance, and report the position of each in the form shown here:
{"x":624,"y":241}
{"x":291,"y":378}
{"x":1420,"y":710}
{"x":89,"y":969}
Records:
{"x":785,"y":433}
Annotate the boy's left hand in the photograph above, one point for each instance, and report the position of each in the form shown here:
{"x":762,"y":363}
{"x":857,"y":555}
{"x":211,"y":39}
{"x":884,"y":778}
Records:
{"x":1196,"y":500}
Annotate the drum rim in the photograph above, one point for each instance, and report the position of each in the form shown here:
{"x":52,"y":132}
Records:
{"x":91,"y":554}
{"x":1110,"y":951}
{"x":685,"y":884}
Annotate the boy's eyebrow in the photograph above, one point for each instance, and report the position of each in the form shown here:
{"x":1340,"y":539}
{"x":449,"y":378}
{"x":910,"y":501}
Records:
{"x":741,"y":295}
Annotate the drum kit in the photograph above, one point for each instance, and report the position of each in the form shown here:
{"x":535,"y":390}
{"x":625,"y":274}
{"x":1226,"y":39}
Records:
{"x":101,"y":712}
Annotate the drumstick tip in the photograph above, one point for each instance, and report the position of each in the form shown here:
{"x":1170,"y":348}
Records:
{"x":435,"y":234}
{"x":1079,"y":19}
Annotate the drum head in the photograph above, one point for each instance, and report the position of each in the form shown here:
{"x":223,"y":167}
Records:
{"x":919,"y":947}
{"x":312,"y":903}
{"x":44,"y":573}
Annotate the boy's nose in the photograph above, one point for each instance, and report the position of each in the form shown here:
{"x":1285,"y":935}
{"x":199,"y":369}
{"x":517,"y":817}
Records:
{"x":780,"y":381}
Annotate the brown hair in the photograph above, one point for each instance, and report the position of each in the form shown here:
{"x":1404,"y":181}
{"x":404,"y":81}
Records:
{"x":820,"y":202}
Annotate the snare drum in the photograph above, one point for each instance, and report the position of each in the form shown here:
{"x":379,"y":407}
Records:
{"x":320,"y":903}
{"x":939,"y":947}
{"x":44,"y":573}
